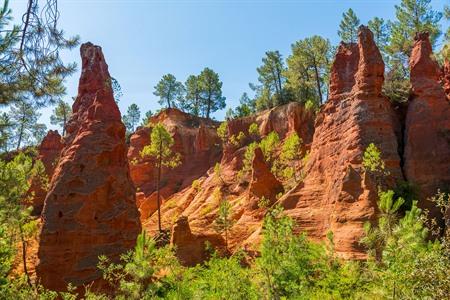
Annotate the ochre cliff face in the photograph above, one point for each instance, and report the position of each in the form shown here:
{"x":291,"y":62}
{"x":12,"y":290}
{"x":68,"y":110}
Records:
{"x":48,"y":153}
{"x":427,"y":128}
{"x":195,"y":140}
{"x":90,"y":209}
{"x":336,"y":194}
{"x":192,"y":211}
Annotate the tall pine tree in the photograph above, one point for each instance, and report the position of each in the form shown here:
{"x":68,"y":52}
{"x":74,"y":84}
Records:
{"x":348,"y":29}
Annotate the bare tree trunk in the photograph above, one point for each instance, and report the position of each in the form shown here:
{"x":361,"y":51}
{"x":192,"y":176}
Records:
{"x":318,"y":82}
{"x":157,"y":186}
{"x":24,"y":256}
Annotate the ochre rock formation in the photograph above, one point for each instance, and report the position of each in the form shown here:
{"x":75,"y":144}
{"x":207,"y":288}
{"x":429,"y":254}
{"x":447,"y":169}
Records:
{"x":196,"y":141}
{"x":446,"y":78}
{"x":48,"y":153}
{"x":427,"y":128}
{"x":192,"y":248}
{"x":263,"y":182}
{"x":200,"y":201}
{"x":90,"y":209}
{"x":337,"y":195}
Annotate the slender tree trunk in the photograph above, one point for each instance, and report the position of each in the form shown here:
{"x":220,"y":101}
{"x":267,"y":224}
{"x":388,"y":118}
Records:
{"x":316,"y":71}
{"x":64,"y":123}
{"x":157,"y":186}
{"x":209,"y":106}
{"x":24,"y":256}
{"x":20,"y":137}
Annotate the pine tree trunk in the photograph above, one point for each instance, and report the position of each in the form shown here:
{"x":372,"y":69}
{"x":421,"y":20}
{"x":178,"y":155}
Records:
{"x":157,"y":186}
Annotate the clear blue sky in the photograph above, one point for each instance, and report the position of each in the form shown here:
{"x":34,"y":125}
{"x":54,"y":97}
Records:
{"x":145,"y":39}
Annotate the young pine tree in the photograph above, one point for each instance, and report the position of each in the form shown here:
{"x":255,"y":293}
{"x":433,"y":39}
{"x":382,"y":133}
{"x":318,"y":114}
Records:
{"x":170,"y":91}
{"x":160,"y":149}
{"x":61,"y":115}
{"x":211,"y":92}
{"x":132,"y":117}
{"x":348,"y":29}
{"x":223,"y":222}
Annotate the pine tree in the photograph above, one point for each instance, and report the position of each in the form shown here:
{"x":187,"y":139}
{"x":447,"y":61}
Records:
{"x":223,"y":222}
{"x":24,"y":118}
{"x":348,"y":28}
{"x":211,"y":92}
{"x":381,"y":32}
{"x":160,"y":149}
{"x":6,"y":126}
{"x":61,"y":115}
{"x":270,"y":92}
{"x":308,"y":68}
{"x":132,"y":117}
{"x":146,"y":118}
{"x":193,"y":103}
{"x":170,"y":91}
{"x":413,"y":16}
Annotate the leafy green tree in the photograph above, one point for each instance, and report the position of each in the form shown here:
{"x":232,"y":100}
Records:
{"x":132,"y":117}
{"x":413,"y":16}
{"x":30,"y":55}
{"x":117,"y":89}
{"x":245,"y":108}
{"x":6,"y":134}
{"x":223,"y":222}
{"x":381,"y":32}
{"x":308,"y":68}
{"x":222,"y":132}
{"x":291,"y":154}
{"x":16,"y":225}
{"x":348,"y":28}
{"x":139,"y":273}
{"x":146,"y":119}
{"x":193,"y":99}
{"x":271,"y":90}
{"x":170,"y":91}
{"x":268,"y":146}
{"x":160,"y":149}
{"x":24,"y":118}
{"x":211,"y":92}
{"x":61,"y":115}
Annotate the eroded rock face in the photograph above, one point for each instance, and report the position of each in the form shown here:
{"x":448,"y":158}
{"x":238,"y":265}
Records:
{"x":200,"y":202}
{"x":198,"y":144}
{"x":90,"y":209}
{"x":427,"y":128}
{"x":336,"y":194}
{"x":446,"y":78}
{"x":48,"y":153}
{"x":191,"y":249}
{"x":263,"y":182}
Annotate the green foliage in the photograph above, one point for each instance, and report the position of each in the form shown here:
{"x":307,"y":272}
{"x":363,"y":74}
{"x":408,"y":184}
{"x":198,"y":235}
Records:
{"x":170,"y":91}
{"x":211,"y":92}
{"x":193,"y":100}
{"x":268,"y":146}
{"x":245,"y":108}
{"x":117,"y":89}
{"x":308,"y":69}
{"x":146,"y":119}
{"x":61,"y":115}
{"x":31,"y":66}
{"x":381,"y":31}
{"x":348,"y":28}
{"x":132,"y":117}
{"x":160,"y":148}
{"x":237,"y":140}
{"x":253,"y":130}
{"x":139,"y":274}
{"x":248,"y":157}
{"x":271,"y":91}
{"x":222,"y":132}
{"x":223,"y":222}
{"x":413,"y":16}
{"x":23,"y":119}
{"x":374,"y":164}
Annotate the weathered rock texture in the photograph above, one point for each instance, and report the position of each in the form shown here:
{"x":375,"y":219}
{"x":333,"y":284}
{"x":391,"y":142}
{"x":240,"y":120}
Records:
{"x":446,"y":78}
{"x":90,"y":209}
{"x":193,"y":210}
{"x":48,"y":153}
{"x":196,"y":141}
{"x":337,"y":195}
{"x":427,"y":128}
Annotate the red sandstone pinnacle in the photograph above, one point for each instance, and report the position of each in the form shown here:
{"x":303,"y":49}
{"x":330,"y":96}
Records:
{"x":336,"y":195}
{"x":48,"y":153}
{"x":263,"y":182}
{"x":427,"y":128}
{"x":90,"y":209}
